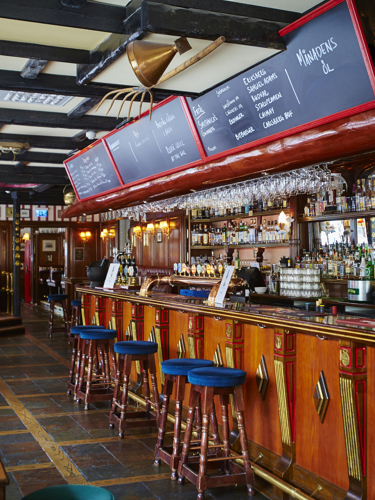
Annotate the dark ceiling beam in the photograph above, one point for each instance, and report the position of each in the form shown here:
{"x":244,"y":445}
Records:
{"x":67,"y":85}
{"x":36,"y":51}
{"x":32,"y":68}
{"x":104,"y":55}
{"x":55,"y":120}
{"x":83,"y":107}
{"x":44,"y":198}
{"x":33,"y":175}
{"x":76,"y":4}
{"x":92,"y":16}
{"x":156,"y":17}
{"x":44,"y":141}
{"x":225,"y":7}
{"x":36,"y":157}
{"x":152,"y":17}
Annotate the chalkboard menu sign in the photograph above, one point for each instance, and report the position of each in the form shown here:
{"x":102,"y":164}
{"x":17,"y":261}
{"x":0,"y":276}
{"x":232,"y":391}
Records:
{"x":321,"y":73}
{"x":147,"y":147}
{"x":92,"y":172}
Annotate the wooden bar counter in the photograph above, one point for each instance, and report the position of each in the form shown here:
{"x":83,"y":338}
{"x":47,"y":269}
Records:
{"x":310,"y":387}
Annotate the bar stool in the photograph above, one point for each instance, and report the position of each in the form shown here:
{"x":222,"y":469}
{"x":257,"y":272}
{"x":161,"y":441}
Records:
{"x":96,"y":387}
{"x":129,"y":351}
{"x":57,"y":298}
{"x":75,"y":331}
{"x":76,"y":313}
{"x":176,"y":371}
{"x":207,"y":383}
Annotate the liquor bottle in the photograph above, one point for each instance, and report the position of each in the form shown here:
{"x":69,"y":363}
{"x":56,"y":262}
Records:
{"x":363,"y":199}
{"x":362,"y":267}
{"x":224,"y":235}
{"x":369,"y":268}
{"x":134,"y":264}
{"x":199,"y":213}
{"x":373,"y":195}
{"x":368,"y":195}
{"x":353,"y":205}
{"x":358,"y":196}
{"x":200,"y":235}
{"x":237,"y":262}
{"x":206,"y":213}
{"x":205,"y":235}
{"x":194,"y":213}
{"x":306,"y":210}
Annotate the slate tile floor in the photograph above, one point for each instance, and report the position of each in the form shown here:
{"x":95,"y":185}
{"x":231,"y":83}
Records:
{"x":47,"y":439}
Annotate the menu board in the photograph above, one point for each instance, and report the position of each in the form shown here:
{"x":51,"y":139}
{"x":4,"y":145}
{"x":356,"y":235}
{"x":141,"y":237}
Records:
{"x":148,"y":147}
{"x":92,"y":172}
{"x":322,"y":72}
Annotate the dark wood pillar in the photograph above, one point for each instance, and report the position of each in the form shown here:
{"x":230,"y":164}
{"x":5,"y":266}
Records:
{"x":16,"y":255}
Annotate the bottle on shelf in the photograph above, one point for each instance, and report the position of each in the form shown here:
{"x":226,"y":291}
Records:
{"x":237,"y":262}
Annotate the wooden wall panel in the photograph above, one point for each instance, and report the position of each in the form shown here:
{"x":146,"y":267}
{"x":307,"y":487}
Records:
{"x":177,"y":238}
{"x":370,"y":422}
{"x":325,"y":442}
{"x":262,"y":417}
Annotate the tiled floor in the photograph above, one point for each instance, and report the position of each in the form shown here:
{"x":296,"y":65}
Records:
{"x":47,"y":439}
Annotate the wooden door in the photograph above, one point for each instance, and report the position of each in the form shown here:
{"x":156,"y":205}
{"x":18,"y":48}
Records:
{"x":27,"y":270}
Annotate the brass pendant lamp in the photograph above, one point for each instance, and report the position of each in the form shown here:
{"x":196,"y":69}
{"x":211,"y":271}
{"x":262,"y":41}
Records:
{"x":149,"y":60}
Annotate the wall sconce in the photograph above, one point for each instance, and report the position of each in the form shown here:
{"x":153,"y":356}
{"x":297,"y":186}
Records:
{"x":150,"y":229}
{"x":104,"y":234}
{"x":111,"y":233}
{"x":281,"y":220}
{"x":85,"y":236}
{"x":164,"y":227}
{"x":137,"y":231}
{"x":25,"y":237}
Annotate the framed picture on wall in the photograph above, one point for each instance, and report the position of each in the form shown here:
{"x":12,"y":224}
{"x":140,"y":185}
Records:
{"x":49,"y":245}
{"x":9,"y":212}
{"x":159,"y":237}
{"x":78,"y":253}
{"x":25,"y":212}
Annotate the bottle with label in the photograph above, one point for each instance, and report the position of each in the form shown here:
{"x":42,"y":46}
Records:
{"x":373,"y":195}
{"x":224,"y":235}
{"x":368,"y":195}
{"x":306,"y":210}
{"x":205,"y":235}
{"x":237,"y":262}
{"x":369,"y":269}
{"x":362,"y":267}
{"x":134,"y":264}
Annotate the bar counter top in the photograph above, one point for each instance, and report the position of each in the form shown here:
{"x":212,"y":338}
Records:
{"x":264,"y":316}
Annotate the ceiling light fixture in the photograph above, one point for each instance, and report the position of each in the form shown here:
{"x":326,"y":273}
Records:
{"x":34,"y":98}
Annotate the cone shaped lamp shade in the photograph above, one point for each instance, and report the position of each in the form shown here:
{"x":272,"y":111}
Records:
{"x":149,"y":60}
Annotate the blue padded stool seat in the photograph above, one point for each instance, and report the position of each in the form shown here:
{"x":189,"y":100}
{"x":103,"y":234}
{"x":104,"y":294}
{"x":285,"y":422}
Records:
{"x":138,"y":347}
{"x":76,"y":330}
{"x":71,"y":492}
{"x":57,"y":296}
{"x":181,"y":366}
{"x":98,"y":334}
{"x":75,"y":303}
{"x":217,"y":377}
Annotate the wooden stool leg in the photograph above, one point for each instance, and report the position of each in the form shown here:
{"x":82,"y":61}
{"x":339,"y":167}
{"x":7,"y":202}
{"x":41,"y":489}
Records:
{"x":116,"y":392}
{"x":63,"y":303}
{"x":168,"y":388}
{"x":107,"y":373}
{"x":154,"y":385}
{"x":198,"y":420}
{"x":224,"y":402}
{"x":89,"y":373}
{"x":125,"y":388}
{"x":193,"y":403}
{"x":180,"y":394}
{"x":72,"y":364}
{"x":239,"y":408}
{"x":146,"y":386}
{"x":207,"y":409}
{"x":81,"y":368}
{"x":78,"y":366}
{"x":51,"y":314}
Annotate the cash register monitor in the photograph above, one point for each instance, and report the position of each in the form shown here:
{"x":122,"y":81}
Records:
{"x":252,"y":275}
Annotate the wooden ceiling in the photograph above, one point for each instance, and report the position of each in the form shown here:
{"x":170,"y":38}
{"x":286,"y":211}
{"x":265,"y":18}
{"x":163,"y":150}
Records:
{"x":77,"y":49}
